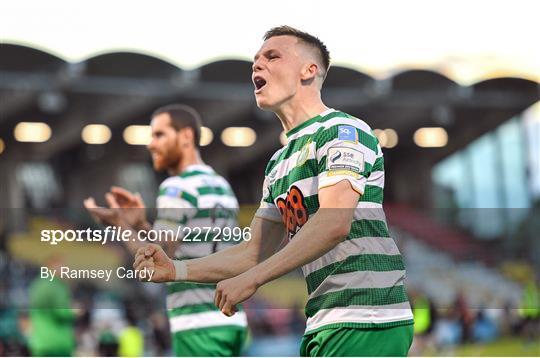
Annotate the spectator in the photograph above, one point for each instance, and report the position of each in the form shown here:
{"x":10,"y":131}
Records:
{"x":51,"y":316}
{"x":108,"y":344}
{"x":131,"y":340}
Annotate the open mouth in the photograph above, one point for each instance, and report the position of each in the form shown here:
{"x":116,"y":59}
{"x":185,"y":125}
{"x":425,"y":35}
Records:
{"x":259,"y":83}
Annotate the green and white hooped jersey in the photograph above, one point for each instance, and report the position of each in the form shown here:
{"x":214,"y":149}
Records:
{"x":195,"y":200}
{"x":360,"y":282}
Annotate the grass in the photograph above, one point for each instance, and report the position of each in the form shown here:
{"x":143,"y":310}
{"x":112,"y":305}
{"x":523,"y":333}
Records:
{"x":500,"y":348}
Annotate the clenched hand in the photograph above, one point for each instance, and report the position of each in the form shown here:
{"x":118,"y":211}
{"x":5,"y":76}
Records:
{"x":152,"y":257}
{"x":233,"y":291}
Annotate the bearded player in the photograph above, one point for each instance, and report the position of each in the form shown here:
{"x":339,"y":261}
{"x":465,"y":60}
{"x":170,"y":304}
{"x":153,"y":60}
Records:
{"x":324,"y":189}
{"x":193,"y":197}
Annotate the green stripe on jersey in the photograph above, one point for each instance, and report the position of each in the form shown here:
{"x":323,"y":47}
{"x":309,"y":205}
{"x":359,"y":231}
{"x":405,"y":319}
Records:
{"x":193,"y":173}
{"x":368,"y":228}
{"x":190,"y":198}
{"x":197,"y":308}
{"x":378,"y":165}
{"x":218,"y":190}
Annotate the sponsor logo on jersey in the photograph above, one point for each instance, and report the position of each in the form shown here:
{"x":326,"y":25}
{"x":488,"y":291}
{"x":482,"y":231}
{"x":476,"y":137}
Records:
{"x":345,"y":158}
{"x":293,"y":210}
{"x":348,"y":133}
{"x":336,"y":156}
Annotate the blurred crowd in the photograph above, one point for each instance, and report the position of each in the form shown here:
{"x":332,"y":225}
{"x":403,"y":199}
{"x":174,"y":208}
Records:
{"x":443,"y":329}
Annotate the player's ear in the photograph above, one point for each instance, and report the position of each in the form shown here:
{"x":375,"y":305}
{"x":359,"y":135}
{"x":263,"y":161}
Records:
{"x":186,"y":135}
{"x":309,"y":71}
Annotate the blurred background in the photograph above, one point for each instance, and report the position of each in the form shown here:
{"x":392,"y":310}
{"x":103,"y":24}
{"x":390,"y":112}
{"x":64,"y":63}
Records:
{"x":450,"y":89}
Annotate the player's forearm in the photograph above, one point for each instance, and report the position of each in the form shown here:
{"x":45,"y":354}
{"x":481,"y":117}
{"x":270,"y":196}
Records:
{"x":221,"y":265}
{"x":133,"y":243}
{"x":318,"y":236}
{"x":266,"y":237}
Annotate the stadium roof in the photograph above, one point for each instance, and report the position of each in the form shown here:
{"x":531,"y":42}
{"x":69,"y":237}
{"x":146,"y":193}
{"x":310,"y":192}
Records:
{"x":123,"y":88}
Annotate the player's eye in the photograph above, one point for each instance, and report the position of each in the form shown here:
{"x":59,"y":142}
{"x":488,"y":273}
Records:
{"x":271,"y":56}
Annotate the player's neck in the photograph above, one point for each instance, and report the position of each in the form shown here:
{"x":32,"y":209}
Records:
{"x":298,"y":110}
{"x":190,"y":158}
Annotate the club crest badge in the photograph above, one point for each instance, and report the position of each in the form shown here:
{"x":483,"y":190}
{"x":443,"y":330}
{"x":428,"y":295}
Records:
{"x":304,"y":154}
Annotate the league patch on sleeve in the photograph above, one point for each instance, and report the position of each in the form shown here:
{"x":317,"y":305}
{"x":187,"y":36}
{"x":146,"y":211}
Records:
{"x":345,"y":159}
{"x":172,"y":191}
{"x":347,"y":133}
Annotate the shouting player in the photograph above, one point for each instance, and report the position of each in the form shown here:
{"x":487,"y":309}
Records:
{"x":324,"y":189}
{"x":196,"y":198}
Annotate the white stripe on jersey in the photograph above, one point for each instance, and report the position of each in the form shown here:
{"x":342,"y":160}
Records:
{"x":206,"y":319}
{"x":360,"y":314}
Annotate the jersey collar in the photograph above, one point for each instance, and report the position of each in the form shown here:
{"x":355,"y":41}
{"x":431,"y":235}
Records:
{"x":309,"y":122}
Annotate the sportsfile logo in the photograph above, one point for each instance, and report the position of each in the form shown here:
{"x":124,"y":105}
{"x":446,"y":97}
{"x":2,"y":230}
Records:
{"x":110,"y":233}
{"x":182,"y":233}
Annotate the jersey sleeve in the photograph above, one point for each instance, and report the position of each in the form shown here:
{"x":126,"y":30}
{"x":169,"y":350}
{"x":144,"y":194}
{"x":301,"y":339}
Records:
{"x":345,"y":152}
{"x":267,"y":208}
{"x":176,"y":204}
